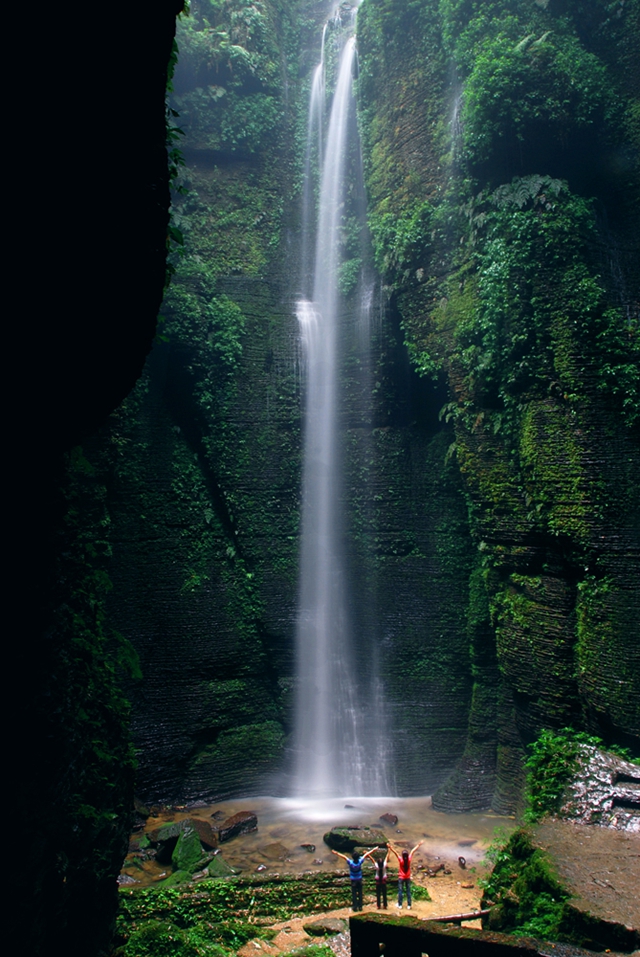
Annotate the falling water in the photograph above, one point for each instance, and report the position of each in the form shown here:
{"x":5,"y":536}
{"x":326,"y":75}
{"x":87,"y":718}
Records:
{"x":335,"y":744}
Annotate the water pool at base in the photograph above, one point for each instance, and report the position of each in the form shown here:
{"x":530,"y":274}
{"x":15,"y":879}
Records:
{"x":285,"y":824}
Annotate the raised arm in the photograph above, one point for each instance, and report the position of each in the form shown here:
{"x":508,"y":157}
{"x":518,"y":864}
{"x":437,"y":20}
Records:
{"x":369,"y":853}
{"x":413,"y":850}
{"x":392,"y":848}
{"x":338,"y":854}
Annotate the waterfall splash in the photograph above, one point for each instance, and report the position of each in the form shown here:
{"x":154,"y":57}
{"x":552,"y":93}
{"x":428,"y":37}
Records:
{"x":337,"y":746}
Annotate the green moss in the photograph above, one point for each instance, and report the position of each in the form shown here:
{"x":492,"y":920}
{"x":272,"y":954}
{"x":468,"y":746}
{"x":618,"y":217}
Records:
{"x":260,"y":746}
{"x":527,"y":897}
{"x":226,"y":913}
{"x":187,"y":852}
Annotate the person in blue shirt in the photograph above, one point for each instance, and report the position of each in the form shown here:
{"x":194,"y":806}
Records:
{"x":355,"y":863}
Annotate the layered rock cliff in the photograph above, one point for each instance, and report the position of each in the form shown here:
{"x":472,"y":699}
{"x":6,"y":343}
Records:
{"x":503,"y":181}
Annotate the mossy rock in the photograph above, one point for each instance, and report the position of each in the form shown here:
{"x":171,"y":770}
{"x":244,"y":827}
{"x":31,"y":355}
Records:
{"x":178,"y":877}
{"x":348,"y":838}
{"x":187,"y":853}
{"x":218,"y":868}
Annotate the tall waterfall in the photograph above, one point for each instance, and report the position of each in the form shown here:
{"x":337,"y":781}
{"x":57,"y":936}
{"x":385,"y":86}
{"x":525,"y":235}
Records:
{"x":338,"y":747}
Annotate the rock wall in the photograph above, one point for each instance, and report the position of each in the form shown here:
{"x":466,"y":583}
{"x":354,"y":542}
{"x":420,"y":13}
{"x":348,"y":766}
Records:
{"x":503,"y":186}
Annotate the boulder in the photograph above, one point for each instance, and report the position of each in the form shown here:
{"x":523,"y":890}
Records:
{"x":325,"y":927}
{"x":348,"y":838}
{"x":166,"y":838}
{"x":275,"y":852}
{"x":207,"y":835}
{"x":605,"y":790}
{"x":187,"y":853}
{"x":166,"y":832}
{"x":391,"y":819}
{"x":241,"y":823}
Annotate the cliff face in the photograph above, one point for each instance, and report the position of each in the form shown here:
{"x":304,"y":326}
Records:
{"x":503,"y":185}
{"x":204,"y":492}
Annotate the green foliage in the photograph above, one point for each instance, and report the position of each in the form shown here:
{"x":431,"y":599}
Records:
{"x":195,"y":314}
{"x":552,"y":761}
{"x":535,"y":267}
{"x":349,"y":274}
{"x":401,"y":242}
{"x":232,"y":42}
{"x":542,"y":86}
{"x":228,"y":122}
{"x":526,"y":894}
{"x":419,"y":892}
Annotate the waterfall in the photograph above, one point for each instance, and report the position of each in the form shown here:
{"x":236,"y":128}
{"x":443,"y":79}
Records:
{"x":337,"y":748}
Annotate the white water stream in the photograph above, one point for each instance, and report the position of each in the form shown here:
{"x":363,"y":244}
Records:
{"x":338,"y":750}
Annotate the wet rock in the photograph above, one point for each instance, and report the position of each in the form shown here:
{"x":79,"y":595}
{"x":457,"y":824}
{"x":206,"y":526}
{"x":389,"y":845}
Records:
{"x":261,"y":867}
{"x":318,"y":861}
{"x":348,"y":838}
{"x":219,"y":868}
{"x":140,"y":815}
{"x":125,"y":879}
{"x":325,"y":927}
{"x":605,"y":791}
{"x":275,"y":852}
{"x":208,"y":837}
{"x":166,"y":838}
{"x":218,"y":815}
{"x":468,"y":843}
{"x":390,"y":819}
{"x":309,"y":847}
{"x":462,"y":862}
{"x":187,"y":853}
{"x":244,"y":822}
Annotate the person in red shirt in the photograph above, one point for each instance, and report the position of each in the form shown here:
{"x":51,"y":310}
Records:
{"x":404,"y":872}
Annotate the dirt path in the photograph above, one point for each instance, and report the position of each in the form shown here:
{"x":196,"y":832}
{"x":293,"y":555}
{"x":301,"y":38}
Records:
{"x":451,"y":894}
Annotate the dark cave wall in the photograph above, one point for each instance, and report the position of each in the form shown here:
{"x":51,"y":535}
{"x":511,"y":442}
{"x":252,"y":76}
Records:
{"x":82,"y":320}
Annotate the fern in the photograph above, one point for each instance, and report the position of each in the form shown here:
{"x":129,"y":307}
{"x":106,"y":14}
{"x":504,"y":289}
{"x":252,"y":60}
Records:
{"x":522,"y":189}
